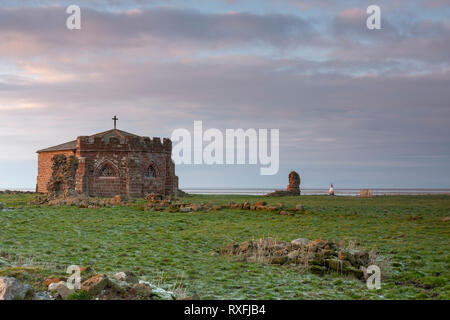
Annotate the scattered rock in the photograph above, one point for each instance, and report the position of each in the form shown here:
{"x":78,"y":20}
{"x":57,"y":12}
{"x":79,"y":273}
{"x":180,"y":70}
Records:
{"x":154,"y":197}
{"x":126,"y":276}
{"x":95,"y":284}
{"x":121,"y":290}
{"x":13,"y":289}
{"x":61,"y":289}
{"x":117,"y":200}
{"x":123,"y":286}
{"x":52,"y":279}
{"x":170,"y":205}
{"x":143,"y":290}
{"x":300,"y":242}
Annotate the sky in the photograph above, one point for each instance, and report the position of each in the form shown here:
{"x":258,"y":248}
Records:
{"x":354,"y":107}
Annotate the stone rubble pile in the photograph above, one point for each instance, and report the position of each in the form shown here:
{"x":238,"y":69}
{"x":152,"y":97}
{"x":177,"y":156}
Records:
{"x":121,"y":286}
{"x":318,"y":256}
{"x":13,"y":289}
{"x":81,"y":201}
{"x":168,"y":205}
{"x":161,"y":203}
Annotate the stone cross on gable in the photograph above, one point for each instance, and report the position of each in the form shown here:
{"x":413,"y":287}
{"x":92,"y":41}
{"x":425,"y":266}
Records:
{"x":115,"y":121}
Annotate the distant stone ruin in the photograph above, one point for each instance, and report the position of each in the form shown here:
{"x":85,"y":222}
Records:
{"x":365,"y":193}
{"x":293,"y":188}
{"x":294,"y":183}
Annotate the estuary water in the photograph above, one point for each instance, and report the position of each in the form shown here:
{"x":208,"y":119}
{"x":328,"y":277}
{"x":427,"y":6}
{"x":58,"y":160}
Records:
{"x":306,"y":191}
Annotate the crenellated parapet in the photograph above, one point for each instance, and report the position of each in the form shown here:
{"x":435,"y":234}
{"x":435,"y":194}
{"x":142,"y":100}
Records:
{"x":140,"y":144}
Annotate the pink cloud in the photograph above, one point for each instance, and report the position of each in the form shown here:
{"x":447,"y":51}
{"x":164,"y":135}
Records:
{"x":352,"y":14}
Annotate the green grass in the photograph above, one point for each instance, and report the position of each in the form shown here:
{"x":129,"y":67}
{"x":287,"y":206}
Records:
{"x":79,"y":295}
{"x":179,"y":245}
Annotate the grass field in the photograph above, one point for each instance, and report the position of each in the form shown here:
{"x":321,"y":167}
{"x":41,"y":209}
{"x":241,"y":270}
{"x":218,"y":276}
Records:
{"x":407,"y":230}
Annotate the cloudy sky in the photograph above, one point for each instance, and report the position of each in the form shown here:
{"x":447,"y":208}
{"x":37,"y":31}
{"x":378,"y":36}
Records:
{"x":355,"y":107}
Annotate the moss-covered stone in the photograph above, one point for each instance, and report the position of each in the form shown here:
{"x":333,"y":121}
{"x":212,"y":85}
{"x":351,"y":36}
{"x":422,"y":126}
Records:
{"x":315,"y":269}
{"x":279,"y":260}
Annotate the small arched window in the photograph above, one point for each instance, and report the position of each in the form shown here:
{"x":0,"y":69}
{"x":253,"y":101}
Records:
{"x":151,"y":172}
{"x":107,"y":171}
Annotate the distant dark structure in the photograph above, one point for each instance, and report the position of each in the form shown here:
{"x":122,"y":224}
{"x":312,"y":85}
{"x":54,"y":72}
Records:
{"x":293,"y":188}
{"x":294,"y":183}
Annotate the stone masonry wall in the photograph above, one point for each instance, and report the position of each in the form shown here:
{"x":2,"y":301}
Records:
{"x":128,"y":161}
{"x":45,"y":168}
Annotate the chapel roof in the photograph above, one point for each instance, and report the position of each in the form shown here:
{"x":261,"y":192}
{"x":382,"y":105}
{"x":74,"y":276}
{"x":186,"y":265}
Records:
{"x":72,"y":145}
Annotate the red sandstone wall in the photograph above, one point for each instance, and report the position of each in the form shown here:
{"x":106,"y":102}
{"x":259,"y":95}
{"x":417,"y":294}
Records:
{"x":130,"y":160}
{"x":45,"y":168}
{"x":95,"y":185}
{"x":158,"y":161}
{"x":131,"y":170}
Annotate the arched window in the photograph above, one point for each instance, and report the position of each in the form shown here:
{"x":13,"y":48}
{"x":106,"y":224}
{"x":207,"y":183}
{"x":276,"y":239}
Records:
{"x":151,"y":172}
{"x":107,"y":171}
